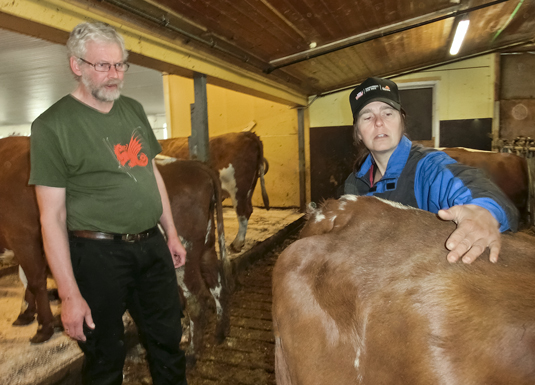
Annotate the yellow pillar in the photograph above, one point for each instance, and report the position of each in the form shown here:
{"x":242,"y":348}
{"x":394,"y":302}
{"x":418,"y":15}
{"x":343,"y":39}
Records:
{"x":178,"y":94}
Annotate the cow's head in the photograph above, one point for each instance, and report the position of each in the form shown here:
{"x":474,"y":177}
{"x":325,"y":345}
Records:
{"x":332,"y":215}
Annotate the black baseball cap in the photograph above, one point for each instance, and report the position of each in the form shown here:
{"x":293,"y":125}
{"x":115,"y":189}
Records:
{"x":372,"y":90}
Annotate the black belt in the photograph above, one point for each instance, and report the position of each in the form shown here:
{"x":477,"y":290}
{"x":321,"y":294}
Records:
{"x":116,"y":237}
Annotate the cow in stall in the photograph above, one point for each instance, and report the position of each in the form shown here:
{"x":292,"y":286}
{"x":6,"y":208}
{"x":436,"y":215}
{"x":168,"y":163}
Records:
{"x":20,"y":231}
{"x":368,"y":297}
{"x":194,"y":194}
{"x":239,"y":159}
{"x":508,"y":171}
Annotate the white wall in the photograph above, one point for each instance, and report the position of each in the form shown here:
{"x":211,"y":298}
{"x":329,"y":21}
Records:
{"x":23,"y":129}
{"x":465,"y":91}
{"x":157,"y":122}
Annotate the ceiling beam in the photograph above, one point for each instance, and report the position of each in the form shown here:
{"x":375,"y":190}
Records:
{"x":375,"y":34}
{"x":148,"y":46}
{"x":407,"y":71}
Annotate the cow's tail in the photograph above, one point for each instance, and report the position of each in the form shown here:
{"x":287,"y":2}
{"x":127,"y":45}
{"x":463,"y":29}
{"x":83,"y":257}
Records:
{"x":262,"y":171}
{"x":282,"y":372}
{"x":263,"y":167}
{"x":226,"y":266}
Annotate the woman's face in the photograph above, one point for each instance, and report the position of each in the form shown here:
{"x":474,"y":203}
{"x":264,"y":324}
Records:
{"x":379,"y":127}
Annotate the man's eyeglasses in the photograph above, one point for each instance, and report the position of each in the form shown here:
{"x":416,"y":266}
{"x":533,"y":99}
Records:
{"x":105,"y":67}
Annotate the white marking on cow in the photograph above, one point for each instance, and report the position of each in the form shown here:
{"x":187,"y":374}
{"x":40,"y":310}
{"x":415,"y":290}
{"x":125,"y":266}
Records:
{"x":319,"y":217}
{"x":7,"y":256}
{"x":349,"y":197}
{"x":24,"y":281}
{"x":242,"y":230}
{"x":396,"y":204}
{"x":208,"y":230}
{"x":228,"y":183}
{"x":216,"y":293}
{"x":23,"y":278}
{"x":222,"y":248}
{"x":249,"y":194}
{"x":162,"y":160}
{"x":357,"y":360}
{"x":179,"y":271}
{"x":191,"y":331}
{"x":467,"y":149}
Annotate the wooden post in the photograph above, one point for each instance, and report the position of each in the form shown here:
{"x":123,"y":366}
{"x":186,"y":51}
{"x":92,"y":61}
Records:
{"x":302,"y":162}
{"x":531,"y":172}
{"x":199,"y":140}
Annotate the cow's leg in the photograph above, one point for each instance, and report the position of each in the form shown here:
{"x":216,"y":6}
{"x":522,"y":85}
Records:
{"x":239,"y":202}
{"x":35,"y":272}
{"x":238,"y":242}
{"x":28,"y":308}
{"x":195,"y":310}
{"x":212,"y":273}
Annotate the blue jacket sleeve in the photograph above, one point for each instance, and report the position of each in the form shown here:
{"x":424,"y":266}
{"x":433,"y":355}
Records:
{"x":441,"y":182}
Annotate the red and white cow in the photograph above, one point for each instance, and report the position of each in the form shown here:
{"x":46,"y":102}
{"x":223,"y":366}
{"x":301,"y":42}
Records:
{"x":239,"y":159}
{"x":368,"y":297}
{"x":20,"y":231}
{"x":508,"y":171}
{"x":195,"y":196}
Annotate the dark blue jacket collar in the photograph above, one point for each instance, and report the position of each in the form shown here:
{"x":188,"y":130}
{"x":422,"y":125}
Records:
{"x":396,"y":163}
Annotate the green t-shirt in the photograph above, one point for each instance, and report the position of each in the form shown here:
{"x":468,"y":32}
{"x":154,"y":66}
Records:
{"x":104,"y":161}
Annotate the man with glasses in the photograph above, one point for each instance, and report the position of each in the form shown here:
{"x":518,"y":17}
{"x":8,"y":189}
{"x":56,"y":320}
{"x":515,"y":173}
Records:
{"x":101,"y":197}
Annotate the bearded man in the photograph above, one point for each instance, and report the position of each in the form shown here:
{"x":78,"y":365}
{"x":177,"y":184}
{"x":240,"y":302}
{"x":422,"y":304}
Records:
{"x":100,"y":198}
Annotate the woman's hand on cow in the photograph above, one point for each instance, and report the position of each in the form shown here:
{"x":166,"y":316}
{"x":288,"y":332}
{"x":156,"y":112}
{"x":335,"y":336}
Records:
{"x":178,"y":252}
{"x":74,"y":313}
{"x":476,"y":230}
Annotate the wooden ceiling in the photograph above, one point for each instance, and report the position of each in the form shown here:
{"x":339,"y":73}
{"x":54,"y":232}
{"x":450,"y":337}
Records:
{"x":319,"y":46}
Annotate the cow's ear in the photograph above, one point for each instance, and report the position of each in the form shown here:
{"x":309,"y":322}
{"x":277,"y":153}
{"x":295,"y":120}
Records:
{"x":311,"y":208}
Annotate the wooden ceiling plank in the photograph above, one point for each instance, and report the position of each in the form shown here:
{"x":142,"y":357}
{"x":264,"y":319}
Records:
{"x":285,"y":37}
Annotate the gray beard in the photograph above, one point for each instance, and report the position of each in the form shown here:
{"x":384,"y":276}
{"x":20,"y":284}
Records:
{"x":101,"y":93}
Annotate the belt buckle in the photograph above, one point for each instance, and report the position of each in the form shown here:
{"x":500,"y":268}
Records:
{"x":130,"y":237}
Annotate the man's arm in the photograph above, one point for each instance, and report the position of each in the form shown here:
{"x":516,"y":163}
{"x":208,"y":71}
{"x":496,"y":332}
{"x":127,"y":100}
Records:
{"x":175,"y":246}
{"x":53,"y":213}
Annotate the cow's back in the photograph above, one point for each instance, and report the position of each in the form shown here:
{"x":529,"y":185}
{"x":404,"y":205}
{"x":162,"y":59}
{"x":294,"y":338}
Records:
{"x":508,"y":171}
{"x":19,"y":216}
{"x":375,"y":300}
{"x":237,"y":148}
{"x":175,"y":147}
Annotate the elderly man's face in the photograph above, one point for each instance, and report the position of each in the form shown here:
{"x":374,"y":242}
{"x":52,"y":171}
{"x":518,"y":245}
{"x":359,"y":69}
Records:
{"x":104,"y":86}
{"x":379,"y":127}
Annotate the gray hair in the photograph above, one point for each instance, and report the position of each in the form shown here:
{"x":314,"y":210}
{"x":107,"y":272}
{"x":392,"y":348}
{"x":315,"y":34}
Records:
{"x":98,"y":32}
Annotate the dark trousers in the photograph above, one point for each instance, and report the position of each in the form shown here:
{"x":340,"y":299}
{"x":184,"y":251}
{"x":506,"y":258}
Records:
{"x":115,"y":276}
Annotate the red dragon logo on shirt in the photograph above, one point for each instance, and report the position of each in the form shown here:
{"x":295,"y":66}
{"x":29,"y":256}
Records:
{"x":131,"y":153}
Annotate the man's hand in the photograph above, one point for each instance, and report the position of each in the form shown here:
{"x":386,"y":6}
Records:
{"x":476,"y":230}
{"x":74,"y":312}
{"x":178,"y":252}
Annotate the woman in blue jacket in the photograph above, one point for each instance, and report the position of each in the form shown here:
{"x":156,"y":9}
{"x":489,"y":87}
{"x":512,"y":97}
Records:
{"x":398,"y":170}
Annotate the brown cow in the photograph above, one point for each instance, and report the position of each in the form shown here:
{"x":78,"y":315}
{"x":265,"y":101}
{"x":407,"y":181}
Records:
{"x":508,"y":171}
{"x":20,"y":231}
{"x":369,"y":298}
{"x":239,"y":159}
{"x":194,"y":193}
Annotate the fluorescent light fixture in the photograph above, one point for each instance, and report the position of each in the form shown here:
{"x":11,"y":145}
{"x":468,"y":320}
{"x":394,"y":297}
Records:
{"x":462,"y":27}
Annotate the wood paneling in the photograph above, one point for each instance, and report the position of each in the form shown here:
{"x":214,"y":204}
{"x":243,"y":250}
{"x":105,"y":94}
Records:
{"x":517,"y":118}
